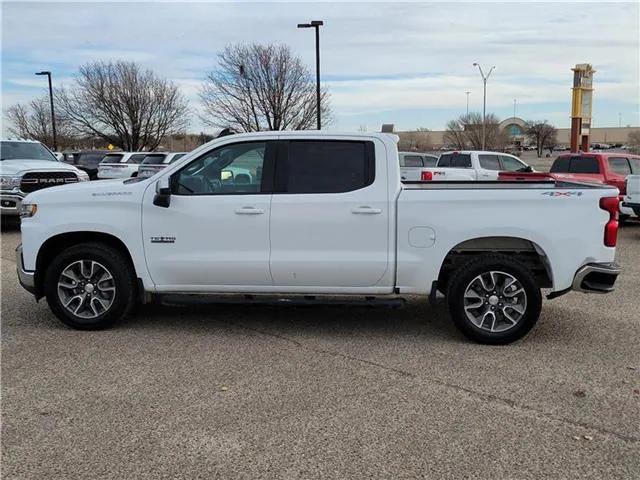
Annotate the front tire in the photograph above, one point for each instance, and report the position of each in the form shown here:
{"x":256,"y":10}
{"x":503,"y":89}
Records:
{"x":494,"y":299}
{"x":90,"y":286}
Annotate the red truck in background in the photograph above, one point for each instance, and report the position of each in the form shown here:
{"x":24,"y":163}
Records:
{"x":611,"y":168}
{"x":608,"y":168}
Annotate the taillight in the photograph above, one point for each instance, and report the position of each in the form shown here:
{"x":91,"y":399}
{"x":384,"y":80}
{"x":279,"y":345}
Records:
{"x":611,"y":205}
{"x":426,"y":176}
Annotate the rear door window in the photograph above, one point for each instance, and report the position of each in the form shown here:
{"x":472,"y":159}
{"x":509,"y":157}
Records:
{"x":326,"y":166}
{"x":510,"y":164}
{"x":619,"y":165}
{"x":489,"y":162}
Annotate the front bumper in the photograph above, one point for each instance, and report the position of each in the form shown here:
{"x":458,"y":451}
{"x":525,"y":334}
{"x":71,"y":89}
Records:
{"x":25,"y":277}
{"x":10,"y":203}
{"x":596,"y":278}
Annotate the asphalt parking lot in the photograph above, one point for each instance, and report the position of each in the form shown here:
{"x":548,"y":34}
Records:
{"x":322,"y":392}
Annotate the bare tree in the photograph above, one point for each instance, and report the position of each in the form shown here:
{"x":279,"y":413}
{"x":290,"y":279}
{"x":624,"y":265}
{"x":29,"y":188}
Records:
{"x":33,"y":121}
{"x":633,"y":140}
{"x":123,"y":104}
{"x":261,"y":87}
{"x":543,"y":134}
{"x":465,"y":132}
{"x":420,"y":140}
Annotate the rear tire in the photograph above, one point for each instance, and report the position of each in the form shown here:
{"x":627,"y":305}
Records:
{"x":494,"y":299}
{"x":90,"y":286}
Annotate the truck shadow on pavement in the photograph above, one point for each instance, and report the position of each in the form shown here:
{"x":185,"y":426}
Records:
{"x":417,"y":318}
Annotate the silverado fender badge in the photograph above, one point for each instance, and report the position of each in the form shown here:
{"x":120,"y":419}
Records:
{"x":163,"y":239}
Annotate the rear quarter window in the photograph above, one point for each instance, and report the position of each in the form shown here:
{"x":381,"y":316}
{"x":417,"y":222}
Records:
{"x":430,"y":161}
{"x":154,"y":159}
{"x":137,"y":158}
{"x":561,"y":165}
{"x":584,"y":165}
{"x":413,"y":161}
{"x":455,"y":160}
{"x":111,"y":159}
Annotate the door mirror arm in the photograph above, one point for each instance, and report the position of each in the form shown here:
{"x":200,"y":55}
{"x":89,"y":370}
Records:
{"x":162,"y":197}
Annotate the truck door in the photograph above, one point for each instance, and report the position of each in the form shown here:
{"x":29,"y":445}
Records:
{"x":330,"y":214}
{"x":215,"y":232}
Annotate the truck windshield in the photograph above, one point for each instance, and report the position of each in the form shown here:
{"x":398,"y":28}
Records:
{"x":25,"y":151}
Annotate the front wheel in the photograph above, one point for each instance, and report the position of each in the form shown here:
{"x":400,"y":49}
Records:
{"x":90,"y":286}
{"x":494,"y":299}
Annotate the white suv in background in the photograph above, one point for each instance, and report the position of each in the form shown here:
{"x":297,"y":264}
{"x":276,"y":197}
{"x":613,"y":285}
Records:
{"x":156,"y":161}
{"x":120,"y":165}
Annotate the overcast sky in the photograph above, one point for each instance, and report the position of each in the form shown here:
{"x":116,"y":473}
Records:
{"x":408,"y":64}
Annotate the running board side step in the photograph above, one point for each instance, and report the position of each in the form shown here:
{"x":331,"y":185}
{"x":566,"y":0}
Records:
{"x":295,"y":301}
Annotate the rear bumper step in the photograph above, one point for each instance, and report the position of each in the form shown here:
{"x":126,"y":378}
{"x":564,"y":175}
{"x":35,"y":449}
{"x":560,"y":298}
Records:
{"x":596,"y":278}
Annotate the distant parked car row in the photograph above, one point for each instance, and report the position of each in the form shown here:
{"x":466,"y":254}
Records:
{"x":105,"y":164}
{"x":458,"y":165}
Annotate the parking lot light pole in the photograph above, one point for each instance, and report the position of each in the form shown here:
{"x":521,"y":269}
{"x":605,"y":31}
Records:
{"x":484,"y":99}
{"x":467,"y":93}
{"x":53,"y":116}
{"x":316,"y":24}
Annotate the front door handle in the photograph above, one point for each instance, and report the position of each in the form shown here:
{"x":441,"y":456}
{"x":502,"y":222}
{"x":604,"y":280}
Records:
{"x":364,"y":210}
{"x":249,"y":211}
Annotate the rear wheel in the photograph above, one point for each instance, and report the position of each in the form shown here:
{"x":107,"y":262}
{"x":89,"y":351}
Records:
{"x":90,"y":286}
{"x":494,"y":299}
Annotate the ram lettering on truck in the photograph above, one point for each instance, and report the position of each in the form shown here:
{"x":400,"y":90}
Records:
{"x":315,"y":214}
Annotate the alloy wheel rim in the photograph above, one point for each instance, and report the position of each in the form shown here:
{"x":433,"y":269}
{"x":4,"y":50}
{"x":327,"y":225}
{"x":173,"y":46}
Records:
{"x":86,"y":289}
{"x":495,"y":301}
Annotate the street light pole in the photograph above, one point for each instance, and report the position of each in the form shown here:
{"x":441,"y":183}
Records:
{"x":467,"y":102}
{"x":484,"y":100}
{"x":514,"y":109}
{"x":316,"y":24}
{"x":53,"y":115}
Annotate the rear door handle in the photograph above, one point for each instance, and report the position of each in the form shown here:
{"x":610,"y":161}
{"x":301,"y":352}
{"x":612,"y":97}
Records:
{"x":364,"y":210}
{"x":249,"y":211}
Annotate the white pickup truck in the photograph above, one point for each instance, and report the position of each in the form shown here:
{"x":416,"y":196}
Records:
{"x":475,"y":165}
{"x":632,"y":200}
{"x":319,"y":214}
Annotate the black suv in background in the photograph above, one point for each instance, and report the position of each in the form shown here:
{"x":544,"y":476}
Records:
{"x":86,"y":160}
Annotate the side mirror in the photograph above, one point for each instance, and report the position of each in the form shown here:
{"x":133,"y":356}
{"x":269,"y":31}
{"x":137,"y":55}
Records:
{"x":528,"y":168}
{"x":163,"y":193}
